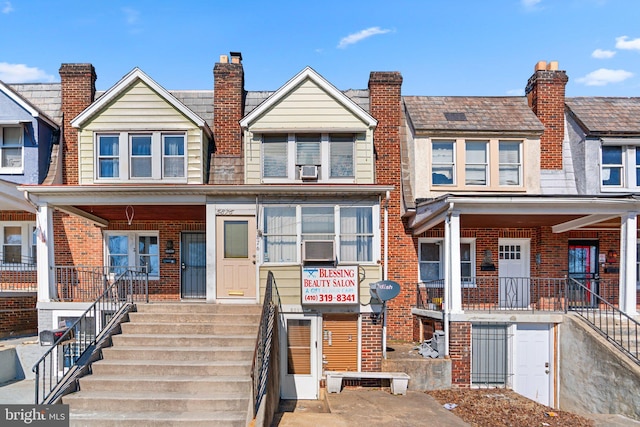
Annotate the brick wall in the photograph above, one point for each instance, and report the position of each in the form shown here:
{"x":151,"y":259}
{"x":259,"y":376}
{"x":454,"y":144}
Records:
{"x":546,"y":94}
{"x":78,"y":83}
{"x":228,"y":107}
{"x":371,"y":334}
{"x":460,"y":353}
{"x":18,"y":314}
{"x":385,"y":106}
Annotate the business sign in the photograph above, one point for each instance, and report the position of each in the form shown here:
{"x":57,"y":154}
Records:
{"x":330,"y":285}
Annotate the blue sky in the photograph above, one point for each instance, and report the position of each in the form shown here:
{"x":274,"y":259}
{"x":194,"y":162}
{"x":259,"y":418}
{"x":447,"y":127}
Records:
{"x":441,"y":47}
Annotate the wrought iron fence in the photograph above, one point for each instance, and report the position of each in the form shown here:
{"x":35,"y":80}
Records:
{"x":266,"y":342}
{"x":617,"y":327}
{"x":18,"y":274}
{"x":499,"y":293}
{"x":72,"y":350}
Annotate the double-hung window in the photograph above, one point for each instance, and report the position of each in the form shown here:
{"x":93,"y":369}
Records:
{"x":476,"y":166}
{"x":443,"y":162}
{"x":350,"y":227}
{"x":510,"y":168}
{"x":620,"y":167}
{"x":11,"y":149}
{"x":18,"y":243}
{"x":321,"y":157}
{"x":141,"y":156}
{"x":133,"y":250}
{"x":431,"y":261}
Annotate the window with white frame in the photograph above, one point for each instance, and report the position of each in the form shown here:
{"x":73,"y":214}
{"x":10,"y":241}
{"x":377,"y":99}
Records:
{"x":132,"y":250}
{"x":331,"y":155}
{"x":11,"y":149}
{"x":476,"y":166}
{"x":443,"y":162}
{"x":18,"y":243}
{"x":431,"y":260}
{"x":141,"y":156}
{"x":510,"y":158}
{"x":350,"y":227}
{"x":620,"y":166}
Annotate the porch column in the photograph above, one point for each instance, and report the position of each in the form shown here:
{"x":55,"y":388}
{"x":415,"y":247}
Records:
{"x":628,"y":256}
{"x":453,"y":275}
{"x":211,"y":252}
{"x":47,"y":289}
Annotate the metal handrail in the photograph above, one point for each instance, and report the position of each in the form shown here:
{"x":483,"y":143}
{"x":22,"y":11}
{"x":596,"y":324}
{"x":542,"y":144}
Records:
{"x":57,"y":367}
{"x":607,"y":319}
{"x":264,"y":342}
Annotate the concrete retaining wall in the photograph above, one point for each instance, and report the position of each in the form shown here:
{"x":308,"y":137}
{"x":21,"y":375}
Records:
{"x":595,"y":377}
{"x":426,"y":374}
{"x":8,"y":364}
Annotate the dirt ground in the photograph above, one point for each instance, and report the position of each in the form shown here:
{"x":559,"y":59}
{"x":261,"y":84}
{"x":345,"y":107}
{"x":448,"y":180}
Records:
{"x":504,"y":408}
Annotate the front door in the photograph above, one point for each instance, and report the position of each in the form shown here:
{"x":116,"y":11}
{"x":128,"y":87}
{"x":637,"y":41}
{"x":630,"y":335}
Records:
{"x":583,"y":268}
{"x":513,"y":273}
{"x":298,"y":360}
{"x":533,"y":362}
{"x":193,"y":261}
{"x":236,"y":257}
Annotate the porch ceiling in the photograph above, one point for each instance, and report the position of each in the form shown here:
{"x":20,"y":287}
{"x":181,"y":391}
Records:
{"x":148,"y":212}
{"x":528,"y":220}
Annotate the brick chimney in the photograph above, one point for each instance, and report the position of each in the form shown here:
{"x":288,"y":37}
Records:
{"x":386,"y":107}
{"x":228,"y":104}
{"x":78,"y":82}
{"x":546,"y":94}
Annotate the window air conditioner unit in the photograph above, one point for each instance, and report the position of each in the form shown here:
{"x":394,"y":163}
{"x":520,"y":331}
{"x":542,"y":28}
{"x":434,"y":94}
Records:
{"x":318,"y":251}
{"x":308,"y":172}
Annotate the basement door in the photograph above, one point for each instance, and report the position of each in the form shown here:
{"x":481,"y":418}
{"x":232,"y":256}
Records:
{"x":236,"y":257}
{"x":513,"y":273}
{"x":193,"y":265}
{"x":533,"y":361}
{"x":340,"y":342}
{"x":299,"y":357}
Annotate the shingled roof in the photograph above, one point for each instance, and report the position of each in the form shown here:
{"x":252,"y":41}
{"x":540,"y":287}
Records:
{"x":43,"y":96}
{"x":471,"y":114}
{"x":606,"y":116}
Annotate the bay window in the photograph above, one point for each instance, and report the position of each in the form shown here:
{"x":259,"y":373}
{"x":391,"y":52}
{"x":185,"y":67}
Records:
{"x":284,"y":228}
{"x":141,"y":156}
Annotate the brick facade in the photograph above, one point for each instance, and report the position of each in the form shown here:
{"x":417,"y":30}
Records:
{"x":385,"y":106}
{"x":228,"y":106}
{"x":546,"y":94}
{"x":18,"y":314}
{"x":78,"y":82}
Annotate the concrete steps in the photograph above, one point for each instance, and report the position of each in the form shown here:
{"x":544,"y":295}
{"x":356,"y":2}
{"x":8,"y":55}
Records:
{"x":173,"y":364}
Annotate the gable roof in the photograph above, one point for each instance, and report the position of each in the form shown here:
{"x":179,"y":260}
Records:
{"x":606,"y":115}
{"x":26,"y":104}
{"x":127,"y":81}
{"x":308,"y":73}
{"x":471,"y":114}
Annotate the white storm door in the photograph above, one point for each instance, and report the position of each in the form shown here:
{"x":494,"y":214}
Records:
{"x":299,"y":357}
{"x":533,"y":361}
{"x":513,"y":273}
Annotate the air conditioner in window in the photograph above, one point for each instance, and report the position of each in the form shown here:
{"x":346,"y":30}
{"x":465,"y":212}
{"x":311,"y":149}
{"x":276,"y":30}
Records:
{"x":309,"y":172}
{"x":318,"y":251}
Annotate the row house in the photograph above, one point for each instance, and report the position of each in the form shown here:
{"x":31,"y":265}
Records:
{"x":209,"y":191}
{"x":29,"y":136}
{"x":518,"y":208}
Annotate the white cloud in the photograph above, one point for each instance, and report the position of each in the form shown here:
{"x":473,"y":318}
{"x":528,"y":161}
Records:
{"x":604,"y":76}
{"x":130,"y":15}
{"x":530,"y":4}
{"x":602,"y":54}
{"x":20,"y":73}
{"x":625,"y":44}
{"x":361,"y":35}
{"x":6,"y":7}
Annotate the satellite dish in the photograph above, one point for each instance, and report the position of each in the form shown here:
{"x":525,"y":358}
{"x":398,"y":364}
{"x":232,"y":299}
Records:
{"x":385,"y":290}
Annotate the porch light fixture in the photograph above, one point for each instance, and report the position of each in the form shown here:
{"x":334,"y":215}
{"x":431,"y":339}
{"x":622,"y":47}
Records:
{"x":169,"y":247}
{"x":487,"y":262}
{"x":612,"y":257}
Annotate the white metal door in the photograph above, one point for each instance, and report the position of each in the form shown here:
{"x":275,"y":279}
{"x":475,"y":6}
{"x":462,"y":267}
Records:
{"x":533,"y":361}
{"x":299,"y":357}
{"x":513,"y":273}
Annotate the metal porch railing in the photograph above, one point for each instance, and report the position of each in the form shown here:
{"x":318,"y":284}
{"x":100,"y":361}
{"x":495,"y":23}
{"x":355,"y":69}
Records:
{"x":18,"y":274}
{"x":617,"y":327}
{"x":60,"y":365}
{"x":266,"y":343}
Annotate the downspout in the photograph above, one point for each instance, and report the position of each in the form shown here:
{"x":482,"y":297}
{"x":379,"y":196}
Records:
{"x":446,"y":315}
{"x":385,"y":274}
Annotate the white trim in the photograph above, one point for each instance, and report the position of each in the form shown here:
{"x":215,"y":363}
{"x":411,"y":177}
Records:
{"x":18,"y":99}
{"x":127,"y":81}
{"x":310,"y":74}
